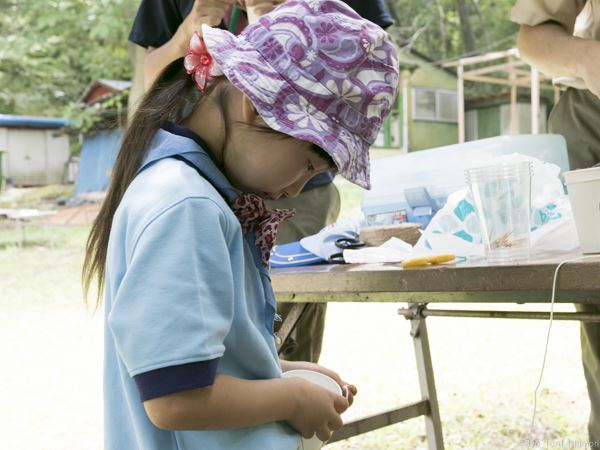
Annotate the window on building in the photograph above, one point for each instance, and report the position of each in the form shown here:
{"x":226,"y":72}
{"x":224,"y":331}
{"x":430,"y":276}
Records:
{"x":435,"y":105}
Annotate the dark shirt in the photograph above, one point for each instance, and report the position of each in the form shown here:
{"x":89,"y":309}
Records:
{"x":157,"y":21}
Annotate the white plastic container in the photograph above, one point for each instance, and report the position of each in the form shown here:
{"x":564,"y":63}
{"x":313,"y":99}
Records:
{"x":584,"y":195}
{"x":441,"y":172}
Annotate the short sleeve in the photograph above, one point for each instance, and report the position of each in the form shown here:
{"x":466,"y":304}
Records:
{"x":536,"y":12}
{"x":157,"y":21}
{"x":375,"y":11}
{"x":174,"y":304}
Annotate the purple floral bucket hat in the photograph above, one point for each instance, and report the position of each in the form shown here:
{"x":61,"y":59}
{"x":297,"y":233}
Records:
{"x":317,"y":71}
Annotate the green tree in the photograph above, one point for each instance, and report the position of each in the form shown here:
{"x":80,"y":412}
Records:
{"x":447,"y":29}
{"x":50,"y":50}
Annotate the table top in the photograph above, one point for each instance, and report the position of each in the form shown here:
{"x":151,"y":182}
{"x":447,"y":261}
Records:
{"x":473,"y":281}
{"x":22,"y":214}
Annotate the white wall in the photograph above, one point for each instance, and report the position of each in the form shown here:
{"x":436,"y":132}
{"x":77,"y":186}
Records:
{"x":524,"y":112}
{"x":34,"y":156}
{"x":57,"y":156}
{"x":3,"y":148}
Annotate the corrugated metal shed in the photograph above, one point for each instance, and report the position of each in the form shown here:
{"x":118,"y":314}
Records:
{"x":98,"y":154}
{"x":36,"y":150}
{"x":10,"y":121}
{"x":102,"y":89}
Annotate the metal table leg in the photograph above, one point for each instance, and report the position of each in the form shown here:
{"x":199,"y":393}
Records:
{"x":418,"y":331}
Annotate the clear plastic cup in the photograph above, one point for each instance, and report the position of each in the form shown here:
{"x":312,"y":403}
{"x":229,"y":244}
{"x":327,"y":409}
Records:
{"x":502,"y":198}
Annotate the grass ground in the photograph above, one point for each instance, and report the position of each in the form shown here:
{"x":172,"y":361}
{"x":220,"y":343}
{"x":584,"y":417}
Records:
{"x":486,"y":369}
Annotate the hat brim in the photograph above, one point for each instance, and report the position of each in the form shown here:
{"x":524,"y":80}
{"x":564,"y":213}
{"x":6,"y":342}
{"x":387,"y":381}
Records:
{"x":285,"y":109}
{"x":293,"y":255}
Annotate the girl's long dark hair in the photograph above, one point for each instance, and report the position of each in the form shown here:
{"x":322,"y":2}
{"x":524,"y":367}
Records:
{"x":169,"y":96}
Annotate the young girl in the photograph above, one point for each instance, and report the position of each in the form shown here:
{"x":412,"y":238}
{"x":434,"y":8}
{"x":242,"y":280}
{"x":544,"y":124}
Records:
{"x":182,"y":242}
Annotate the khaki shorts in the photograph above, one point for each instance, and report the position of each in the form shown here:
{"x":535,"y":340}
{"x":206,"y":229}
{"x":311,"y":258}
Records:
{"x":577,"y":117}
{"x":315,"y":209}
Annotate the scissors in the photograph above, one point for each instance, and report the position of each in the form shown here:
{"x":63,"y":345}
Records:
{"x":344,"y":243}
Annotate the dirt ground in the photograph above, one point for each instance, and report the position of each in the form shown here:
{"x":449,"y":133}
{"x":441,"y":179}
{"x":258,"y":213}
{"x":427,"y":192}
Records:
{"x":485,"y":372}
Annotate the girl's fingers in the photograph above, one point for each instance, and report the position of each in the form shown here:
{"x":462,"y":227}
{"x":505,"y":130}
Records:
{"x":349,"y":391}
{"x":340,"y":404}
{"x":336,"y":424}
{"x":324,"y":435}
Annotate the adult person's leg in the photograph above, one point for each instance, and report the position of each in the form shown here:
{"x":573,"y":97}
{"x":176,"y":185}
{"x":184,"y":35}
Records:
{"x":315,"y":209}
{"x":577,"y":118}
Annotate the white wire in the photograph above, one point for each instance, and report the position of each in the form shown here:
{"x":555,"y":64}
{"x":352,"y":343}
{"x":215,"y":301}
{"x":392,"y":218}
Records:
{"x":548,"y":336}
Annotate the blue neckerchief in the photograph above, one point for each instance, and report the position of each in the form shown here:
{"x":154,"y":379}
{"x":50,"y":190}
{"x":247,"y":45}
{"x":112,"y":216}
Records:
{"x":176,"y":141}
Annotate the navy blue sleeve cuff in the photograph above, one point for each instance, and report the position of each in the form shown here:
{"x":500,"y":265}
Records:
{"x":169,"y":380}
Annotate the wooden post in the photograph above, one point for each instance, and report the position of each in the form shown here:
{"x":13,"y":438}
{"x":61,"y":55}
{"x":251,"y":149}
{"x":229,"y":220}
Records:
{"x":535,"y":101}
{"x":405,"y":115}
{"x":514,"y":115}
{"x":460,"y":72}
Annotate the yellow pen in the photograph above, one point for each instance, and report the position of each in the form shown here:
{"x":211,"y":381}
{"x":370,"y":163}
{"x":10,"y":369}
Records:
{"x":427,"y":260}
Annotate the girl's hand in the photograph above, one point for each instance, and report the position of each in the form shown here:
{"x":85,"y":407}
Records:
{"x":316,"y":410}
{"x":348,"y":390}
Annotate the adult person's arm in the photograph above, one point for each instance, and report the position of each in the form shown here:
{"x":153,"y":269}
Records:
{"x":551,"y":47}
{"x":208,"y":12}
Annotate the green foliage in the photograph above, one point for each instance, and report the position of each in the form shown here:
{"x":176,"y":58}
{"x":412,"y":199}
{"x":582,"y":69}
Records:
{"x":436,"y":29}
{"x":50,"y":50}
{"x":106,"y":113}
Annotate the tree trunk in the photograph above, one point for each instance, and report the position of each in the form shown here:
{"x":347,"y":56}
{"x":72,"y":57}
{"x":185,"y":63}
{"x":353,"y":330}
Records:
{"x":442,"y":26}
{"x":482,"y":24}
{"x":465,"y":25}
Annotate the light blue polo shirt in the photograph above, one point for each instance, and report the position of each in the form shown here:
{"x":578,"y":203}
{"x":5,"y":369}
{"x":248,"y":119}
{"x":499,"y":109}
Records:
{"x":185,"y":295}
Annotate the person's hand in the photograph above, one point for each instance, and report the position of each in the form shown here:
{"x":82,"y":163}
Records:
{"x":316,"y":410}
{"x":209,"y":12}
{"x":348,"y":390}
{"x":257,"y":8}
{"x":589,"y":67}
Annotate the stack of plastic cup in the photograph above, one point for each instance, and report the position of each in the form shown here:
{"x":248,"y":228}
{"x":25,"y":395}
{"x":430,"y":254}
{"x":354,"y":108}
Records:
{"x":502,"y":198}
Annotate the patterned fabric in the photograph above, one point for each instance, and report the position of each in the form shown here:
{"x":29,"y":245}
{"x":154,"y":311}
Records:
{"x":315,"y":70}
{"x":253,"y":215}
{"x":199,"y":63}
